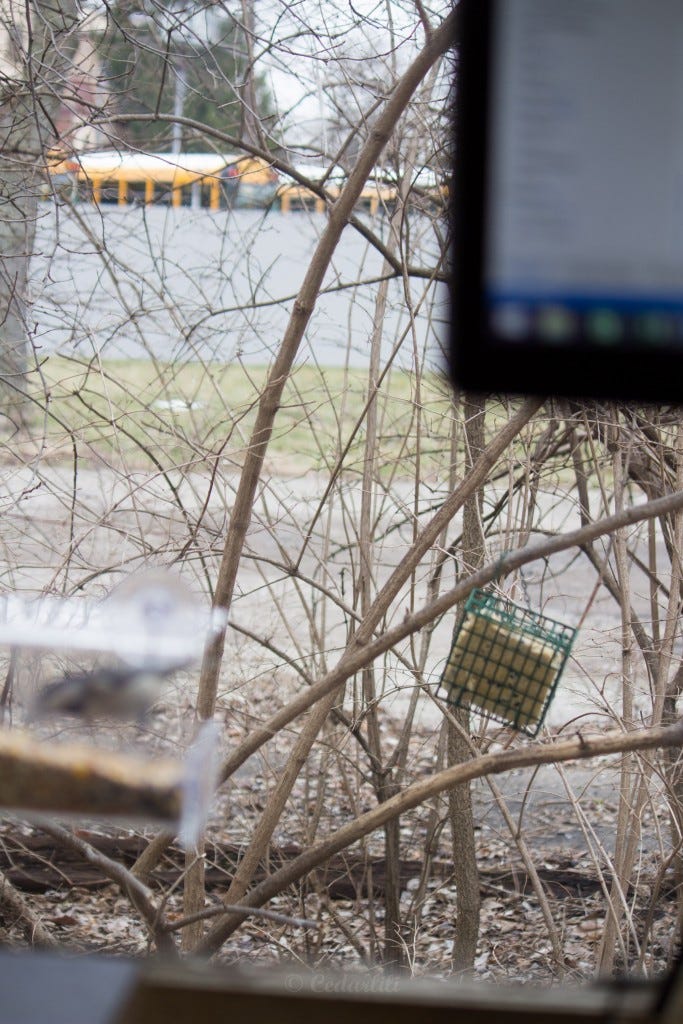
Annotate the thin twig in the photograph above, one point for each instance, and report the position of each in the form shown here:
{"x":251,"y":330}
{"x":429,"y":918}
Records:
{"x":233,"y":908}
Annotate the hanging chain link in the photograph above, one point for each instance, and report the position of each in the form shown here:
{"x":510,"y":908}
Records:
{"x":525,"y":588}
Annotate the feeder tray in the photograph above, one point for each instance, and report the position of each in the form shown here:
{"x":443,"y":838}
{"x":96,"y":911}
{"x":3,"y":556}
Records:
{"x":506,"y":661}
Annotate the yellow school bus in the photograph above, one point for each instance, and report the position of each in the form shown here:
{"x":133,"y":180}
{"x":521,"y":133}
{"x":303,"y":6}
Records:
{"x":379,"y":193}
{"x":198,"y":179}
{"x":293,"y":196}
{"x":219,"y":180}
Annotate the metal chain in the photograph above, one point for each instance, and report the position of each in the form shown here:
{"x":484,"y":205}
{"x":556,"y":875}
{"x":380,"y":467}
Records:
{"x":525,"y":589}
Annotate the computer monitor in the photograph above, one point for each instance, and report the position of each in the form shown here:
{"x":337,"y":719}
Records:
{"x":568,"y":199}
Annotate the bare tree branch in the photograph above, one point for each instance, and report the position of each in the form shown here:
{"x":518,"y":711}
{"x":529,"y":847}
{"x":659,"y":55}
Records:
{"x":140,"y":896}
{"x":15,"y":909}
{"x":579,"y":748}
{"x":503,"y":566}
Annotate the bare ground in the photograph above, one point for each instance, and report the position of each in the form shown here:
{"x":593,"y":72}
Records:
{"x":567,"y":818}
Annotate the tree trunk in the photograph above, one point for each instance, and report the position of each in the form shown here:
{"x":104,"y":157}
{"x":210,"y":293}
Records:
{"x":19,"y":160}
{"x":35,"y":46}
{"x":460,"y":799}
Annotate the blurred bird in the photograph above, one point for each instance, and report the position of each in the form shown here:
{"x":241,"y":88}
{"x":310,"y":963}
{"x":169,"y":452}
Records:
{"x":122,"y":693}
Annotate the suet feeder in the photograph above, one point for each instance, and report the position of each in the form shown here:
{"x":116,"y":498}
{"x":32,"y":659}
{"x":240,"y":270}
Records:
{"x":506,"y":661}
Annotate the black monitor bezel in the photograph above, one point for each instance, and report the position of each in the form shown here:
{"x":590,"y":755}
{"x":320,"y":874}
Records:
{"x":478,"y":362}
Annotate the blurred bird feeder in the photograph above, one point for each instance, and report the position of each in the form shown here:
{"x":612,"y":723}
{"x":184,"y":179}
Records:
{"x":149,"y":627}
{"x":506,"y":661}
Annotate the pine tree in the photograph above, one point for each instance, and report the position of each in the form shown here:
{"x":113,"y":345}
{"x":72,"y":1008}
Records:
{"x":174,"y":58}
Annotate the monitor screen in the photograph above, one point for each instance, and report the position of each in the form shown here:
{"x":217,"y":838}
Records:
{"x":568,"y":198}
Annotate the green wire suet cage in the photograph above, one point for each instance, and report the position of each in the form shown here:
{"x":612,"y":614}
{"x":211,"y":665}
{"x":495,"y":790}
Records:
{"x":506,"y":661}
